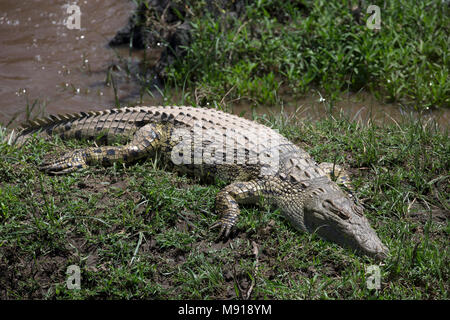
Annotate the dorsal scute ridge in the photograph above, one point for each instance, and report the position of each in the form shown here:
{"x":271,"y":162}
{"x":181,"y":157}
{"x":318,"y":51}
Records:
{"x":55,"y":119}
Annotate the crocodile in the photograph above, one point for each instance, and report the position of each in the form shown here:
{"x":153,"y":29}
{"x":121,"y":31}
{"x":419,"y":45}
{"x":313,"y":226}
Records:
{"x":255,"y":161}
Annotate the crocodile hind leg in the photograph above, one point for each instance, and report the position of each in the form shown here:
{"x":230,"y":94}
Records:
{"x":144,"y":142}
{"x":228,"y":200}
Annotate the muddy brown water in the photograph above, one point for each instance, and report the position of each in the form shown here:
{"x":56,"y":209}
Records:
{"x":360,"y":106}
{"x":65,"y":70}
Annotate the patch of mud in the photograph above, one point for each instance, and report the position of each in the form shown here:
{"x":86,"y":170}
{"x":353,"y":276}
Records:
{"x":34,"y":275}
{"x":28,"y":277}
{"x":436,"y":215}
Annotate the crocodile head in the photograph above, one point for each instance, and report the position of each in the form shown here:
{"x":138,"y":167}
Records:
{"x":334,"y":215}
{"x":328,"y":211}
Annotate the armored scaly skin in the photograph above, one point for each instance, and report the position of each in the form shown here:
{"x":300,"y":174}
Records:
{"x":255,"y":160}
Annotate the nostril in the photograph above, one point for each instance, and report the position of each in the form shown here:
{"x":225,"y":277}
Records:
{"x":381,"y":255}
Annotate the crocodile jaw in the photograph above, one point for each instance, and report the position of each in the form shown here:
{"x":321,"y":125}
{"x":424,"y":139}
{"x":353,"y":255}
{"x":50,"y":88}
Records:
{"x":356,"y":235}
{"x":367,"y":241}
{"x":334,"y":216}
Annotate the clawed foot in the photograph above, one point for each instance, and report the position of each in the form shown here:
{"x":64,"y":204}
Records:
{"x":225,"y":224}
{"x":70,"y":162}
{"x":225,"y":229}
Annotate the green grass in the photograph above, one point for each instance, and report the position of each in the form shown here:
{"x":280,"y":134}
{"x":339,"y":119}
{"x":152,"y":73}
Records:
{"x":278,"y":47}
{"x":142,"y":232}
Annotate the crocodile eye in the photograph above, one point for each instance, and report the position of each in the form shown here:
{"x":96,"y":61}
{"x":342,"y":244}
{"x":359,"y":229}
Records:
{"x":329,"y":205}
{"x":358,"y":209}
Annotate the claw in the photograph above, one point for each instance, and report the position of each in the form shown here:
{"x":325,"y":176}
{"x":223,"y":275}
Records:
{"x":65,"y":171}
{"x":225,"y":228}
{"x":66,"y":164}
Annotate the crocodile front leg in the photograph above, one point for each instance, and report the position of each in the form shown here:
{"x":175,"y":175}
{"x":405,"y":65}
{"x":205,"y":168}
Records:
{"x":145,"y":141}
{"x":228,"y":200}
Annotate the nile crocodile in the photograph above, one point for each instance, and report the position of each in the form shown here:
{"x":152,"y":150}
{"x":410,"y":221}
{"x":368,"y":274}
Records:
{"x":255,"y":161}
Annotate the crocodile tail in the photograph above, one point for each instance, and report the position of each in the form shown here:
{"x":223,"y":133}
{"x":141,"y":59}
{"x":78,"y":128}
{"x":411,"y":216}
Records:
{"x":46,"y":125}
{"x":82,"y":124}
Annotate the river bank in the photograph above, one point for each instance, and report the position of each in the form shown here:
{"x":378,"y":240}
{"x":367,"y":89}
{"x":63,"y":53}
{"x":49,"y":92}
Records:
{"x":141,"y":232}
